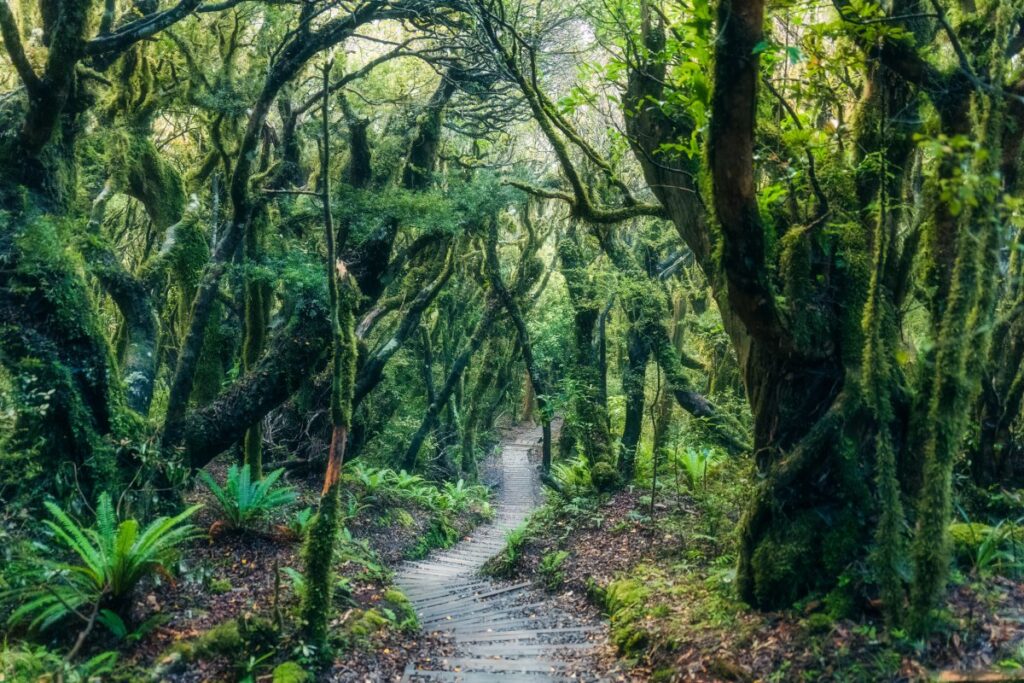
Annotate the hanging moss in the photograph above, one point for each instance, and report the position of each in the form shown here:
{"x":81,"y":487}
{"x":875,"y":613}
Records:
{"x":966,"y":321}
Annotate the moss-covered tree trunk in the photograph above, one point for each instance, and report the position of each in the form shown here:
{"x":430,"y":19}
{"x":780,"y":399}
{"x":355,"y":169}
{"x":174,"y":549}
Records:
{"x":589,"y":426}
{"x":633,"y":386}
{"x":257,"y":311}
{"x":343,"y":296}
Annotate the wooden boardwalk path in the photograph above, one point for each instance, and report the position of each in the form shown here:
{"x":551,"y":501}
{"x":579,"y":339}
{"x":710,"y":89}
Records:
{"x":503,"y":631}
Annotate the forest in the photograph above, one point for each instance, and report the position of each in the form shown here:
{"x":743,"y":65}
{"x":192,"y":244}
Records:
{"x":511,"y":340}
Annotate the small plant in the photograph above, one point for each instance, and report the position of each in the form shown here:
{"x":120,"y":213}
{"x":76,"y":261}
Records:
{"x":550,"y":569}
{"x":110,"y":559}
{"x":439,"y":534}
{"x":503,"y":565}
{"x":457,"y":496}
{"x":696,"y":464}
{"x":298,"y":524}
{"x":36,"y":663}
{"x":243,"y":501}
{"x":374,"y":482}
{"x":986,"y":549}
{"x":122,"y":631}
{"x":359,"y":553}
{"x":220,"y":586}
{"x":573,"y":477}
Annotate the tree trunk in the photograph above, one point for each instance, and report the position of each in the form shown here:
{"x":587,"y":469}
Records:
{"x":638,"y":352}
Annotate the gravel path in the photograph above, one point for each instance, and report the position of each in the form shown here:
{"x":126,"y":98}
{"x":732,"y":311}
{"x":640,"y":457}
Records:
{"x":502,"y":631}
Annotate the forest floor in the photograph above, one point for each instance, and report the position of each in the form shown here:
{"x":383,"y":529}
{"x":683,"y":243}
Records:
{"x":220,"y":620}
{"x":663,"y":575}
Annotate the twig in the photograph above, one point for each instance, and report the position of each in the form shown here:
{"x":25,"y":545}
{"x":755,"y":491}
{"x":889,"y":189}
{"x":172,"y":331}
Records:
{"x":80,"y":641}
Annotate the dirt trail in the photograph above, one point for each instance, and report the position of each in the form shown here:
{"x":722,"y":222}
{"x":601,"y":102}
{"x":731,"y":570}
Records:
{"x":502,"y":631}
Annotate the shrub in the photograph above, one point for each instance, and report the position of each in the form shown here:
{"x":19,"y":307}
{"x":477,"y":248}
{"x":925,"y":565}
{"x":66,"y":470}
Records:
{"x":243,"y":501}
{"x":504,"y":564}
{"x":110,"y":559}
{"x":986,"y":549}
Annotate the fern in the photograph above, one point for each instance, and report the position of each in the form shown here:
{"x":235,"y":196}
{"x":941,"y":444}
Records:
{"x":242,"y":501}
{"x":696,"y":464}
{"x":109,"y":560}
{"x":573,"y":477}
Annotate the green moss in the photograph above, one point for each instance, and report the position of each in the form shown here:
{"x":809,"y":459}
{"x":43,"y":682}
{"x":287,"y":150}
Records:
{"x":819,"y":622}
{"x":806,"y":553}
{"x":219,"y":586}
{"x":156,"y":184}
{"x":626,"y":601}
{"x":319,"y":559}
{"x":222,"y":639}
{"x":362,"y":624}
{"x":404,"y":613}
{"x":800,"y":287}
{"x":67,"y":398}
{"x":235,"y":640}
{"x":605,"y":477}
{"x":289,"y":672}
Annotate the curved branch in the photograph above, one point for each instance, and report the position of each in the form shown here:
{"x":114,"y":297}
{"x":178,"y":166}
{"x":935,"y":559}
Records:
{"x":16,"y":51}
{"x":128,"y":35}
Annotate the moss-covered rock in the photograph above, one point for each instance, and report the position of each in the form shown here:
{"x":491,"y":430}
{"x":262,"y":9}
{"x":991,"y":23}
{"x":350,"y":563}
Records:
{"x":605,"y":477}
{"x":364,"y":623}
{"x":405,"y":614}
{"x":289,"y":672}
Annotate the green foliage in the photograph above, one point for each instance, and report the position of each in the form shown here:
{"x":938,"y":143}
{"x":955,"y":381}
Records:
{"x":358,"y":552}
{"x":458,"y":496}
{"x":299,"y":523}
{"x":243,"y":501}
{"x":109,"y":560}
{"x":122,"y":631}
{"x":385,"y":488}
{"x":506,"y":563}
{"x":439,"y":534}
{"x":37,"y":663}
{"x":461,"y":206}
{"x":573,"y":477}
{"x":987,"y":550}
{"x":696,"y":464}
{"x":605,"y":477}
{"x":550,"y":569}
